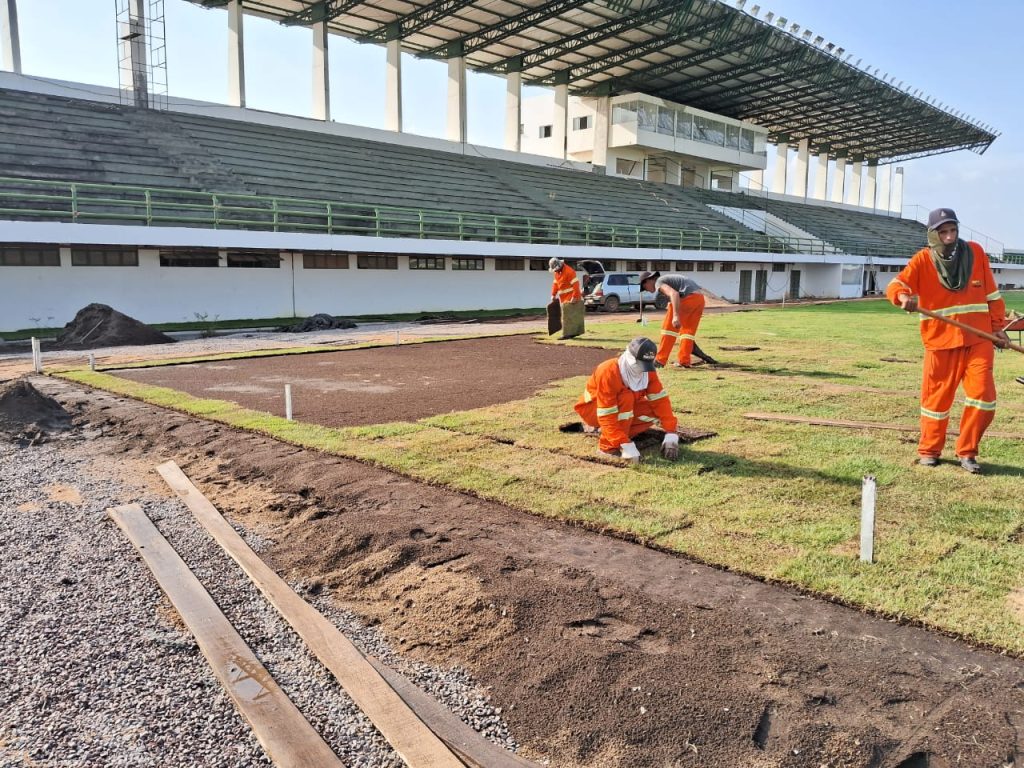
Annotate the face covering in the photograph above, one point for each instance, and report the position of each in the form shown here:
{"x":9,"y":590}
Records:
{"x":633,"y":374}
{"x":953,"y":262}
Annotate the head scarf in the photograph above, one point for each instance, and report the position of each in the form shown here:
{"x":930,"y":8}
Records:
{"x":954,"y":262}
{"x":633,"y":374}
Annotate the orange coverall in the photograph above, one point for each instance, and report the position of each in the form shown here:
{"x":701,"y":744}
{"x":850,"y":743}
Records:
{"x":619,"y":412}
{"x":566,"y":285}
{"x":691,"y":308}
{"x":954,"y":356}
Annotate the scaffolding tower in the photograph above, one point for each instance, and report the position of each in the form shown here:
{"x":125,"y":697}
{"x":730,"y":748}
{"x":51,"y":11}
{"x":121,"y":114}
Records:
{"x":142,"y":53}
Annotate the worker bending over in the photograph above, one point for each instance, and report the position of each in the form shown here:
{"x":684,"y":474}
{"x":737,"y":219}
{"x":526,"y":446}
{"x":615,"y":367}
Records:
{"x":566,"y":288}
{"x":952,"y":277}
{"x":682,"y":316}
{"x":623,"y":398}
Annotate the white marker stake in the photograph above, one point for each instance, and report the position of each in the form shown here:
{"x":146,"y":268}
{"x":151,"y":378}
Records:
{"x":37,"y":356}
{"x":288,"y":401}
{"x":867,"y":520}
{"x":398,"y":338}
{"x":92,"y":362}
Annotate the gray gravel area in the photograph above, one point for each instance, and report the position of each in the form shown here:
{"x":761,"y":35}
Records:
{"x":96,"y":668}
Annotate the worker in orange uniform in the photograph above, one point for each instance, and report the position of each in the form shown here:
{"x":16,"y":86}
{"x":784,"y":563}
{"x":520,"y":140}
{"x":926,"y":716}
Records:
{"x":623,"y":398}
{"x":952,"y":277}
{"x":682,"y":316}
{"x":566,"y":288}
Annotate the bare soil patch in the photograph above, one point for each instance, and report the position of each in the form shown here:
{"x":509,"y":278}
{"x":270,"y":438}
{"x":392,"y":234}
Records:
{"x":600,"y":652}
{"x":393,"y":383}
{"x":26,"y":414}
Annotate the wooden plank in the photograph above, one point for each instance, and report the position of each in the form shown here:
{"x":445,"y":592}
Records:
{"x":415,"y":743}
{"x":863,"y":424}
{"x":286,"y":736}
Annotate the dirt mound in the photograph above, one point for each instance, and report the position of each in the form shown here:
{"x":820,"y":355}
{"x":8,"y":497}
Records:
{"x":318,"y":322}
{"x":98,"y":325}
{"x":27,"y":415}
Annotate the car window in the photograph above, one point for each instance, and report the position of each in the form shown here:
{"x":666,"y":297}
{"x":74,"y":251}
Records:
{"x":634,"y":279}
{"x":617,"y":280}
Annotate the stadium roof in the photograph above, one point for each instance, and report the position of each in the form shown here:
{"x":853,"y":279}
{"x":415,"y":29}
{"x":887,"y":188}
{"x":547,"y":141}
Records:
{"x":700,"y":53}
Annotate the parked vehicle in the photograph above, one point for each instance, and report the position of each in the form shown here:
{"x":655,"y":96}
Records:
{"x":616,"y":289}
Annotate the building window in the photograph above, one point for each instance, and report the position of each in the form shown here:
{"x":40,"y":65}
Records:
{"x":254,"y":260}
{"x":104,"y":256}
{"x":545,"y":131}
{"x":538,"y":265}
{"x":192,"y":257}
{"x":29,"y":256}
{"x":624,"y":167}
{"x":503,"y":264}
{"x":324,"y":260}
{"x":376,"y":261}
{"x":467,"y":264}
{"x":778,"y":267}
{"x":581,"y":123}
{"x":705,"y":266}
{"x":727,"y":266}
{"x":636,"y":266}
{"x":661,"y":266}
{"x":426,"y":262}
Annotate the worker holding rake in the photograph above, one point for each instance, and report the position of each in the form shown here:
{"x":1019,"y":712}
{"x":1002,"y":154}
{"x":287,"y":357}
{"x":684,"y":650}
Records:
{"x":623,"y":398}
{"x":951,"y":284}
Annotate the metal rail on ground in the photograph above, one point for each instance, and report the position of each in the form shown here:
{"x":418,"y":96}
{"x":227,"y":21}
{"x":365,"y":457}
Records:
{"x":81,"y":202}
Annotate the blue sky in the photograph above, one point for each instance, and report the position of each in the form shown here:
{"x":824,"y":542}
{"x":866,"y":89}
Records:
{"x":964,"y":54}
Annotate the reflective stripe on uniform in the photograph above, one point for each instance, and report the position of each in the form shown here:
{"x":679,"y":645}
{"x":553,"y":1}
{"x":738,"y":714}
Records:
{"x":994,"y":296}
{"x":657,"y":396}
{"x":689,"y":336}
{"x":649,"y":419}
{"x":981,"y":405}
{"x":608,"y":411}
{"x":937,"y":415}
{"x":624,"y":416}
{"x":961,"y":309}
{"x":673,"y":334}
{"x":565,"y":290}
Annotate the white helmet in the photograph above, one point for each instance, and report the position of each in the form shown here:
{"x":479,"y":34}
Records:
{"x":554,"y":264}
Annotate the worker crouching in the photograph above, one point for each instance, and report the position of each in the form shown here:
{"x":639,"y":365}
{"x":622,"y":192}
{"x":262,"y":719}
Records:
{"x":625,"y":397}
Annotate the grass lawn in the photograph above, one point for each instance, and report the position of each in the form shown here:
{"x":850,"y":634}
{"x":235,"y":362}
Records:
{"x":775,"y":500}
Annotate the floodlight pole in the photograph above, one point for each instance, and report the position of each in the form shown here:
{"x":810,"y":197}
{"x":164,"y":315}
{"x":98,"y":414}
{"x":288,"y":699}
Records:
{"x":9,"y":36}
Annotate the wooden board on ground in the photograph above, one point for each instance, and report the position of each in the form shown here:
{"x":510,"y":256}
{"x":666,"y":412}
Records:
{"x":418,"y":743}
{"x":862,"y":424}
{"x":286,"y":736}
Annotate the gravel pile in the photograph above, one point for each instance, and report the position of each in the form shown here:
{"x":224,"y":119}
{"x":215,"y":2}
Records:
{"x":96,"y":668}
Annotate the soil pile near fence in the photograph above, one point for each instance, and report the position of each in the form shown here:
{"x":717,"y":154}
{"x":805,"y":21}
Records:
{"x":318,"y":322}
{"x":27,"y":415}
{"x":98,"y":325}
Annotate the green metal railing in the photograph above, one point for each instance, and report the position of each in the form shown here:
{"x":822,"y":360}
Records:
{"x":36,"y":199}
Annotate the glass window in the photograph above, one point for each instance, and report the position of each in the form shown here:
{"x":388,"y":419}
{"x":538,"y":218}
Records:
{"x":624,"y":113}
{"x":746,"y":140}
{"x":647,"y":117}
{"x":625,"y":167}
{"x":581,"y":123}
{"x":192,"y":257}
{"x":545,"y":131}
{"x":732,"y":136}
{"x":666,"y":121}
{"x":254,"y":260}
{"x":426,"y":262}
{"x":778,"y":267}
{"x":504,"y":264}
{"x":639,"y":266}
{"x":616,"y":280}
{"x":705,"y":266}
{"x":29,"y":256}
{"x":661,"y":266}
{"x":708,"y":131}
{"x":538,"y":265}
{"x":684,"y":125}
{"x":325,"y":260}
{"x":376,"y":261}
{"x":727,"y":266}
{"x":472,"y":264}
{"x":104,"y":256}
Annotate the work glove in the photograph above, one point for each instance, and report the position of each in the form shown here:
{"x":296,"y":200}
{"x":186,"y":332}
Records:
{"x":629,"y":451}
{"x":908,"y":302}
{"x":670,"y":446}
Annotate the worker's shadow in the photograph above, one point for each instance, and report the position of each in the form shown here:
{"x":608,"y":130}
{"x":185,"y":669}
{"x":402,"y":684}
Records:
{"x":765,"y":370}
{"x":988,"y":469}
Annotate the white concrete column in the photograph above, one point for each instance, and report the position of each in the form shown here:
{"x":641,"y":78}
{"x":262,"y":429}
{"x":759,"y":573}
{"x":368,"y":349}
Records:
{"x":803,"y":156}
{"x":236,"y":55}
{"x":755,"y":181}
{"x":602,"y":109}
{"x":838,"y":180}
{"x":321,"y":73}
{"x":821,"y":177}
{"x":9,"y":35}
{"x":896,"y":200}
{"x":513,"y":108}
{"x":393,"y":87}
{"x":884,"y":179}
{"x":871,"y":185}
{"x":781,"y":168}
{"x":559,"y":117}
{"x":132,"y":37}
{"x":853,"y":188}
{"x":456,"y":99}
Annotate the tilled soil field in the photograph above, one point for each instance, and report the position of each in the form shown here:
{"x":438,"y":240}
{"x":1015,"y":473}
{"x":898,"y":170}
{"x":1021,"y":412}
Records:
{"x":593,"y":651}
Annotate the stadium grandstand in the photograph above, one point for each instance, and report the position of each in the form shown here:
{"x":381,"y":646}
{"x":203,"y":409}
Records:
{"x":650,"y":154}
